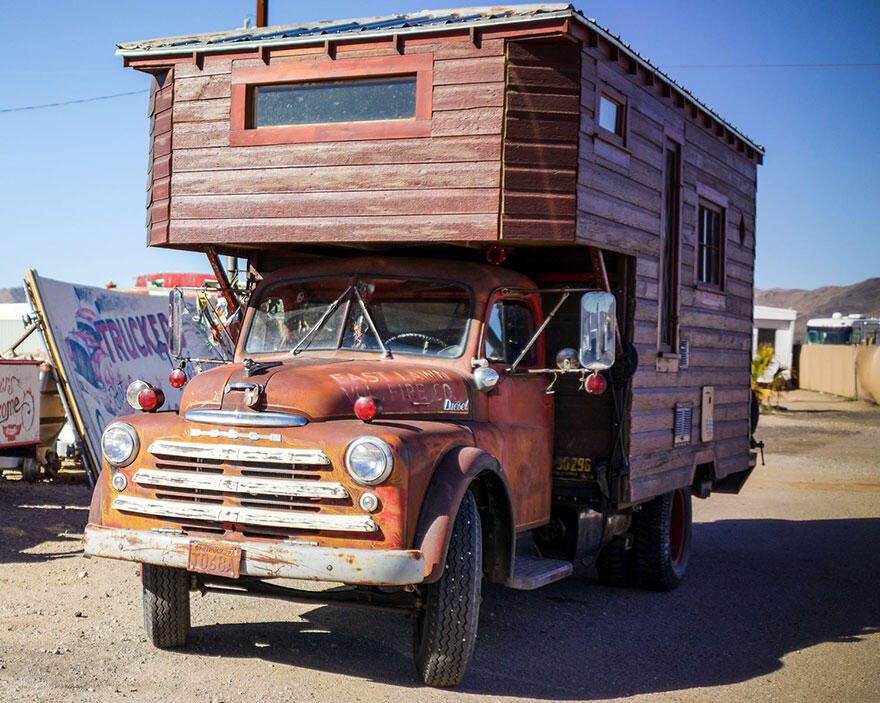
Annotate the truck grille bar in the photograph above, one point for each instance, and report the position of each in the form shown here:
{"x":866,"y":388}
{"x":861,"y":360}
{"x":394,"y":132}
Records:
{"x":234,"y":453}
{"x":245,"y":516}
{"x":239,"y":484}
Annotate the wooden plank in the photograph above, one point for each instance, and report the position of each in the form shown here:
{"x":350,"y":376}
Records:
{"x":485,"y":120}
{"x":556,"y":154}
{"x":201,"y":110}
{"x":212,"y":66}
{"x":522,"y":128}
{"x":534,"y":102}
{"x":202,"y":87}
{"x":464,"y":97}
{"x":480,"y":174}
{"x":611,"y":208}
{"x":201,"y":134}
{"x":538,"y":230}
{"x":547,"y":180}
{"x":161,"y":144}
{"x":558,"y":78}
{"x":365,"y":203}
{"x":647,"y":378}
{"x":400,"y":228}
{"x":395,"y":151}
{"x":609,"y":234}
{"x":630,"y":190}
{"x":469,"y":70}
{"x":553,"y":205}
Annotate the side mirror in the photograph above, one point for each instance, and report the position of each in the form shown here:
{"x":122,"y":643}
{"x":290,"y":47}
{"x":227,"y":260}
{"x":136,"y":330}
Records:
{"x":175,"y":317}
{"x":598,"y":331}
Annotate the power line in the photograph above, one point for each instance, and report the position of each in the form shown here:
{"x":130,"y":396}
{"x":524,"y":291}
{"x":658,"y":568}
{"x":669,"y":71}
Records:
{"x":774,"y":65}
{"x":73,"y":102}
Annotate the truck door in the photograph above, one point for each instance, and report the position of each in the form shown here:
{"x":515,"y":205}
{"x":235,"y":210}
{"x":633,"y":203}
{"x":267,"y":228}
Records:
{"x":520,"y":409}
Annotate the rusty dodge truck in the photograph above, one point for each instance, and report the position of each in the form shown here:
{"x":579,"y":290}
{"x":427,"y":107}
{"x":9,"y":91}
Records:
{"x":494,"y":321}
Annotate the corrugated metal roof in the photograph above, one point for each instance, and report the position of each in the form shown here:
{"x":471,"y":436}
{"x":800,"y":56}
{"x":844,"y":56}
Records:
{"x":408,"y":24}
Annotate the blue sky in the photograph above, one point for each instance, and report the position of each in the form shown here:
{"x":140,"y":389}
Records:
{"x":73,"y":178}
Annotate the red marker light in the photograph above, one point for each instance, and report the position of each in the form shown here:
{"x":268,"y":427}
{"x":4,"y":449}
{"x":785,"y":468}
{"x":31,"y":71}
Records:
{"x":177,"y":378}
{"x":366,"y":408}
{"x":596,"y":384}
{"x":151,"y":399}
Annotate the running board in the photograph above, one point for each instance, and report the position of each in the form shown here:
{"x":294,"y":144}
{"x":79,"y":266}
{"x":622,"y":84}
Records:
{"x":530,"y":573}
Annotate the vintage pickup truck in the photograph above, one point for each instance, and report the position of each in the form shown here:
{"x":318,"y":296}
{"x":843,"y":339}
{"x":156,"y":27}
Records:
{"x":495,"y":318}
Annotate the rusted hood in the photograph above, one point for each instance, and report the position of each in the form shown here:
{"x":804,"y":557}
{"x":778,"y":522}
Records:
{"x":321,"y":389}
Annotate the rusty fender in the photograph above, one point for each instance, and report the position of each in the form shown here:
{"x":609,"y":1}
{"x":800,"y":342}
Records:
{"x":456,"y":472}
{"x":95,"y":517}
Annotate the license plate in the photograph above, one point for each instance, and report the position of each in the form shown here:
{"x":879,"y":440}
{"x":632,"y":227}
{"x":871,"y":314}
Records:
{"x":214,"y":559}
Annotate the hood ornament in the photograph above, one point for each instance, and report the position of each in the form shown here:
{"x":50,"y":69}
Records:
{"x":252,"y":368}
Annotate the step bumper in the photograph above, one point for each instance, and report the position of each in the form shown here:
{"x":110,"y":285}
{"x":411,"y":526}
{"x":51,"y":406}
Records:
{"x":391,"y":567}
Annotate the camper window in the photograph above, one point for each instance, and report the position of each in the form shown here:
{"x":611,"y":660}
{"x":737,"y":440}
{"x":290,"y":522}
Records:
{"x":382,"y":97}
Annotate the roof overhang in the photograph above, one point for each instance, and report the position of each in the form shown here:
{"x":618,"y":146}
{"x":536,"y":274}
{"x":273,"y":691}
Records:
{"x":559,"y":16}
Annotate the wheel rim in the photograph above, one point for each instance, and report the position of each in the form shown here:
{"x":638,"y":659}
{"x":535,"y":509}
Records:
{"x":677,"y":527}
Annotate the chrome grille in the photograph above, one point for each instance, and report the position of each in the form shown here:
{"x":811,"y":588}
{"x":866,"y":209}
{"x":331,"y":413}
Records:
{"x":277,"y":490}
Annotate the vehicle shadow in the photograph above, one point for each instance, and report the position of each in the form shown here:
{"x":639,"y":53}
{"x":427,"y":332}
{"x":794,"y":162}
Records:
{"x":47,"y":511}
{"x":756,"y":590}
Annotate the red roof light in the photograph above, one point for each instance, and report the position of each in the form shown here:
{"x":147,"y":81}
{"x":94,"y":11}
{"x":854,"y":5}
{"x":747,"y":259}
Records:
{"x":367,"y":407}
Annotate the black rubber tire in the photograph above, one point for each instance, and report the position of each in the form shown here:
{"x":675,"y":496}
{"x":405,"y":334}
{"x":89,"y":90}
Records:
{"x":662,"y":540}
{"x":30,"y":470}
{"x":614,"y":565}
{"x":446,"y":628}
{"x":166,"y":605}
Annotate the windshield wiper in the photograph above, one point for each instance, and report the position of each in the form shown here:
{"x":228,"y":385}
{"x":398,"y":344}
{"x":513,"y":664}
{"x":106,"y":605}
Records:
{"x":385,"y":353}
{"x":320,"y":323}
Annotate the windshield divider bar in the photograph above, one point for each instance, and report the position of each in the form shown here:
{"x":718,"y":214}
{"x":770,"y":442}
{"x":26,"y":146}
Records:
{"x":329,"y":311}
{"x":540,"y":330}
{"x":385,"y":353}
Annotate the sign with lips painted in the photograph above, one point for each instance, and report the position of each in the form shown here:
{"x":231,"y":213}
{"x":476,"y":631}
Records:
{"x":105,"y":339}
{"x":19,"y":403}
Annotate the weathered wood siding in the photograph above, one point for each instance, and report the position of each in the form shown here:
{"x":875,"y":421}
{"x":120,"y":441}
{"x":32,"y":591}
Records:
{"x":620,"y":206}
{"x":445,"y":186}
{"x":541,"y":140}
{"x":159,"y":162}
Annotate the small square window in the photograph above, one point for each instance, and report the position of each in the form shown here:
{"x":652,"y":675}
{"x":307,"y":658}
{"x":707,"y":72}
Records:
{"x":611,"y":115}
{"x":710,"y":249}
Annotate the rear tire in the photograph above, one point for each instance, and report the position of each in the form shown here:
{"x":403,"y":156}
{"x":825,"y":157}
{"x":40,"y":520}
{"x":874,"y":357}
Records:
{"x":446,"y":628}
{"x":662,"y":532}
{"x":166,"y":605}
{"x":614,"y":565}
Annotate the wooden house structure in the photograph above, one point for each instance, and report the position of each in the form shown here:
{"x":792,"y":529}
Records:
{"x":527,"y":127}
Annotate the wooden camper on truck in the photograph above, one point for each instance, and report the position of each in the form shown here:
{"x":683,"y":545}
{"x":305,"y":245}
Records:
{"x":415,"y":196}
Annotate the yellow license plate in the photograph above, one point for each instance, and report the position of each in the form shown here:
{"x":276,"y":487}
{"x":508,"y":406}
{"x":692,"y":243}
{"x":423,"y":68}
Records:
{"x":214,"y":559}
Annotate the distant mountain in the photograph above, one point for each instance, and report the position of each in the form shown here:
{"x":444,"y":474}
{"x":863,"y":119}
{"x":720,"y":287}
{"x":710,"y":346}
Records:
{"x":12,"y":295}
{"x":861,"y":297}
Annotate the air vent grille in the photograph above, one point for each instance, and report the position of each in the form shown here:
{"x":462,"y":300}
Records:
{"x":683,"y":416}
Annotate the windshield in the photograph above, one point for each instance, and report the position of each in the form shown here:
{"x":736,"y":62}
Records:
{"x":828,"y":335}
{"x":412,"y":316}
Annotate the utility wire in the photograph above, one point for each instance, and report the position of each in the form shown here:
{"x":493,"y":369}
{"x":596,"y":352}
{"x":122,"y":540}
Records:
{"x":774,"y":65}
{"x":72,"y":102}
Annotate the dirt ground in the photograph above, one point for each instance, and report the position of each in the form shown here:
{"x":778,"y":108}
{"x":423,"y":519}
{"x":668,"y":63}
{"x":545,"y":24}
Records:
{"x":780,"y":603}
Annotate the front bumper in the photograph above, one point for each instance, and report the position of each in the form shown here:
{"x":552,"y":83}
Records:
{"x":265,"y":559}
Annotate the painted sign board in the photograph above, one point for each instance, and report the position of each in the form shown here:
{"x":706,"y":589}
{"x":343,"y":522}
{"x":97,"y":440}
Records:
{"x":19,"y":403}
{"x":102,"y":340}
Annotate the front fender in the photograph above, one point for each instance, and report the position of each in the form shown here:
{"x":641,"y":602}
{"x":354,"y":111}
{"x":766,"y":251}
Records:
{"x":460,"y":469}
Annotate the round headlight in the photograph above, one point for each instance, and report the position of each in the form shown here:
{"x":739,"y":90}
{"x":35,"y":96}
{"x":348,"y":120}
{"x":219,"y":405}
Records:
{"x":119,"y":443}
{"x":368,"y":460}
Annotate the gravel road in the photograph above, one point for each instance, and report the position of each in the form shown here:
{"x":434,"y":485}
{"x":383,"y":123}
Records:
{"x":780,"y":604}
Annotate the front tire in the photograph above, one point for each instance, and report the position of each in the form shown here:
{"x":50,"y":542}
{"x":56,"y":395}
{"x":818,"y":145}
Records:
{"x":166,"y":605}
{"x":662,"y":532}
{"x":446,"y":627}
